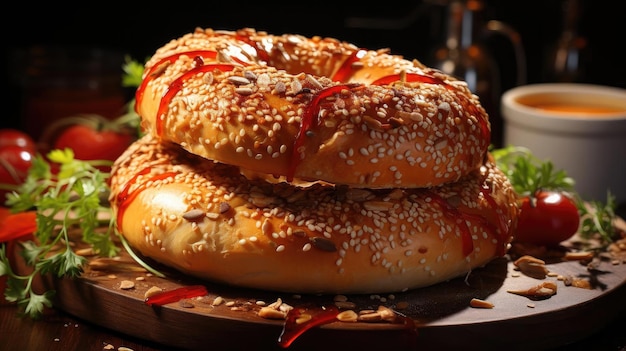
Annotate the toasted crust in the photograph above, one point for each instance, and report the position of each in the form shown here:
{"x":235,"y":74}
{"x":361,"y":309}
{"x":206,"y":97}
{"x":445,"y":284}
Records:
{"x":207,"y":220}
{"x":312,"y":109}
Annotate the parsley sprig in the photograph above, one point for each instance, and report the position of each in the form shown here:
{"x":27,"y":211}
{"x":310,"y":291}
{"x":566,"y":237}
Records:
{"x":70,"y":198}
{"x":133,"y":72}
{"x":596,"y":219}
{"x":528,"y":174}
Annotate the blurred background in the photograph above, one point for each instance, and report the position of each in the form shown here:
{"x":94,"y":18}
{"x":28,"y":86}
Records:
{"x":494,"y":45}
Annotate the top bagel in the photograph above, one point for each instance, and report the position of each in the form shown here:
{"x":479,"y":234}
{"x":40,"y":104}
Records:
{"x":312,"y":109}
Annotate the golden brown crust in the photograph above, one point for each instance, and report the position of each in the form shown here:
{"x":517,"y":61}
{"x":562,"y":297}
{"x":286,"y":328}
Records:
{"x":313,"y":109}
{"x":205,"y":219}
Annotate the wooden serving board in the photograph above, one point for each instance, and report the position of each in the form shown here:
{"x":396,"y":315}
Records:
{"x":442,"y":313}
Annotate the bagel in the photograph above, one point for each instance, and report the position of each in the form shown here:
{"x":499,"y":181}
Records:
{"x":205,"y":219}
{"x":312,"y":109}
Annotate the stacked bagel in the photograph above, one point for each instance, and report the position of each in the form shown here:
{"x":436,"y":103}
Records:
{"x":309,"y":165}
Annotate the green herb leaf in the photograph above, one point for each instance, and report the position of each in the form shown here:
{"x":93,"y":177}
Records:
{"x":597,"y":219}
{"x":36,"y":303}
{"x":66,"y":200}
{"x":133,"y":71}
{"x":528,"y":174}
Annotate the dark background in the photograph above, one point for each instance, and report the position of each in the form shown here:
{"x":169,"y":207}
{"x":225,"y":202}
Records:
{"x":411,"y":29}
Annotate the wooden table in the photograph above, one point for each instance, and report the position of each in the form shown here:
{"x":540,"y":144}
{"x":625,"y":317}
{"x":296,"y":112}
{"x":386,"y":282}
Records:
{"x":60,"y":331}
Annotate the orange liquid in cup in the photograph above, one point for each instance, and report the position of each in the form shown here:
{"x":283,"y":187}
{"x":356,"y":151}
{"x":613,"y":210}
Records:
{"x":560,"y":104}
{"x":586,"y":109}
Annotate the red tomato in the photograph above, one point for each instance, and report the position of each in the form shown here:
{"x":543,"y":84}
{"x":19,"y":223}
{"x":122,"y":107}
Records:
{"x":91,"y":144}
{"x":17,"y":151}
{"x":18,"y":138}
{"x":549,"y":219}
{"x":14,"y":162}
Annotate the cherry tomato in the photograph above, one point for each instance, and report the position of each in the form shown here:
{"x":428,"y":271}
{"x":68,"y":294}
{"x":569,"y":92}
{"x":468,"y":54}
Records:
{"x":18,"y":138}
{"x":547,"y":219}
{"x":91,"y":144}
{"x":17,"y":150}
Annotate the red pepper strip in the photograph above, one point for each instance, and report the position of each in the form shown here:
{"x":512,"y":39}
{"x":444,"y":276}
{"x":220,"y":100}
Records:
{"x":503,"y":228}
{"x":345,"y":70}
{"x":177,"y":85}
{"x":125,"y":197}
{"x":17,"y":225}
{"x":410,"y":77}
{"x":293,"y":329}
{"x":166,"y":297}
{"x":310,"y":119}
{"x":467,"y":244}
{"x":414,"y":77}
{"x":149,"y":74}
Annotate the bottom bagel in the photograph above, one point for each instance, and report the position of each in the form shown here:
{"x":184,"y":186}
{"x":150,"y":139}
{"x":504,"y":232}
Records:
{"x":207,"y":220}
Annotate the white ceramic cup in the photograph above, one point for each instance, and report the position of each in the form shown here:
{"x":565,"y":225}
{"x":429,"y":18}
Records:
{"x":562,"y":122}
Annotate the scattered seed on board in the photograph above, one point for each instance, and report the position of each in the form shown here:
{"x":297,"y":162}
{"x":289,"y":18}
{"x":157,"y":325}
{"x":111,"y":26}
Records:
{"x":479,"y":303}
{"x":127,"y":284}
{"x":348,"y":316}
{"x":152,"y":291}
{"x":218,"y":301}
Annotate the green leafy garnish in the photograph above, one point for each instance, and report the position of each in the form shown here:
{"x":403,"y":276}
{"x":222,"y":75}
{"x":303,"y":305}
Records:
{"x":133,"y":71}
{"x":71,"y":198}
{"x":528,"y":174}
{"x":596,"y":219}
{"x":132,"y":77}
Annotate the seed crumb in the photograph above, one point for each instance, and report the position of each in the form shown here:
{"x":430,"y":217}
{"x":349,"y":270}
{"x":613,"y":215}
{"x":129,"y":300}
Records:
{"x":347,"y":316}
{"x":126,"y":284}
{"x":271,"y":313}
{"x":108,"y":347}
{"x":218,"y":301}
{"x":478,"y":303}
{"x":152,"y":291}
